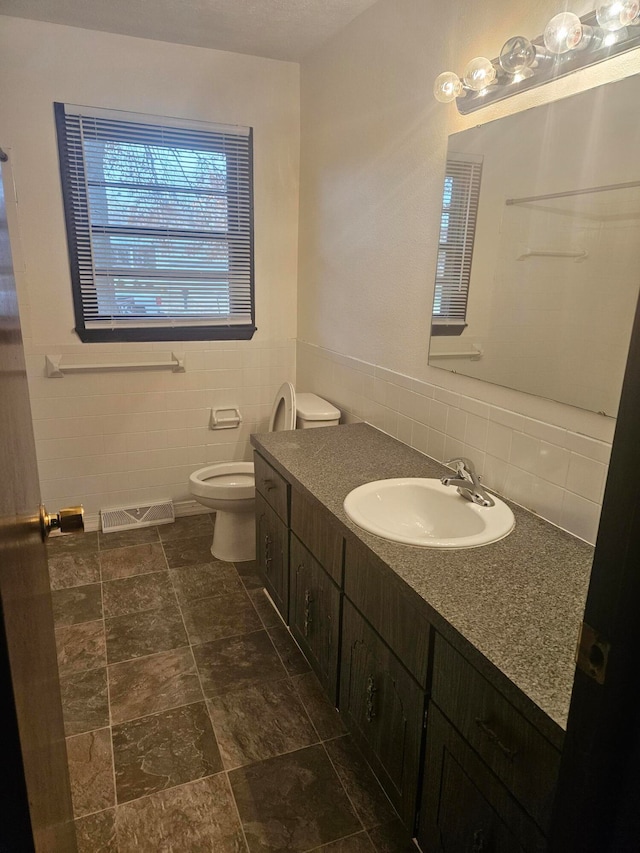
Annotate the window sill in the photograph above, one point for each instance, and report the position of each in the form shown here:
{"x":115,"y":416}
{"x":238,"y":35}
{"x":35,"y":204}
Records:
{"x":188,"y":333}
{"x":453,"y":330}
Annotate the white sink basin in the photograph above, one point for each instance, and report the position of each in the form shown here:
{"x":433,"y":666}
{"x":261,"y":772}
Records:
{"x":420,"y":511}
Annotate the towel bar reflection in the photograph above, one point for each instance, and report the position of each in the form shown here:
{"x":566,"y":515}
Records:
{"x":56,"y":370}
{"x":533,"y":253}
{"x":475,"y":354}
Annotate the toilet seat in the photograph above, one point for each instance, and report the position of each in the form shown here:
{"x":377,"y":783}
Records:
{"x":283,"y":414}
{"x":230,"y":480}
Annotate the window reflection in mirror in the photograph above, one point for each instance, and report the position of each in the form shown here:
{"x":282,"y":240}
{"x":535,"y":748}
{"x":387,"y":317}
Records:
{"x":553,"y":277}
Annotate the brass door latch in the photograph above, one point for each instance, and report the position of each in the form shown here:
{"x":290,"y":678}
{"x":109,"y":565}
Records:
{"x":68,"y":520}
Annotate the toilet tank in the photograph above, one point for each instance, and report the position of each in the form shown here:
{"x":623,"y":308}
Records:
{"x":313,"y":411}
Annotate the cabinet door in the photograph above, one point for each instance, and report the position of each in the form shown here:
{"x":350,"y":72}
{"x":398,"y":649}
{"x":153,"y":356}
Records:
{"x":524,"y":761}
{"x":313,"y":524}
{"x":375,"y":591}
{"x":272,"y":487}
{"x":464,"y":807}
{"x":384,"y":709}
{"x":314,"y":611}
{"x":272,"y":554}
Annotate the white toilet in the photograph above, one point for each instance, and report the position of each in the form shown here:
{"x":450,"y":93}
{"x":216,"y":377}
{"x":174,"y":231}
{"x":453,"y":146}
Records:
{"x":229,"y":487}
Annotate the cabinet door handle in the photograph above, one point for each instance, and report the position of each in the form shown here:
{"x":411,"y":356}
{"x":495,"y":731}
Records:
{"x":478,"y":841}
{"x":371,"y":710}
{"x":269,"y":485}
{"x":267,"y":552}
{"x":491,"y":736}
{"x":308,"y":601}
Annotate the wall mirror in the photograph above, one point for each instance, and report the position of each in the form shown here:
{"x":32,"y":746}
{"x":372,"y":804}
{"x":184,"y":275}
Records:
{"x":539,"y":261}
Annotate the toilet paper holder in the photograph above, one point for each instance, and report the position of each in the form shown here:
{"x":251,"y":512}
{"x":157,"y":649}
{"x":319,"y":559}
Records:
{"x":221,"y":419}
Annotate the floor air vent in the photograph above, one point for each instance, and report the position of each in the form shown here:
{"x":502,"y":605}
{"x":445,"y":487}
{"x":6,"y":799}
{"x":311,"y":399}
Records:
{"x":129,"y":518}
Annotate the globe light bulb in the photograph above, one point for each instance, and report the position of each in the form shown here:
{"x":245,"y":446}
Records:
{"x":447,"y":87}
{"x":563,"y":33}
{"x":517,"y":54}
{"x":617,"y":14}
{"x":479,"y":74}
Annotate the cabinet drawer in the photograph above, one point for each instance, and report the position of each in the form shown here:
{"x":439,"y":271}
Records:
{"x":514,"y":749}
{"x":272,"y":486}
{"x":314,"y":614}
{"x":369,"y":585}
{"x":384,"y":710}
{"x":314,"y":525}
{"x":464,"y":807}
{"x":272,"y":554}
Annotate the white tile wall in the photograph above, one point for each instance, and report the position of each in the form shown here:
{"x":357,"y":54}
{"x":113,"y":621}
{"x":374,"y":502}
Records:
{"x":125,"y":438}
{"x":552,"y":471}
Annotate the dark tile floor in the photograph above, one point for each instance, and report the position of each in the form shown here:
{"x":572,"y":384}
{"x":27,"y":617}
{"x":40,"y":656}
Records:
{"x":193,"y":722}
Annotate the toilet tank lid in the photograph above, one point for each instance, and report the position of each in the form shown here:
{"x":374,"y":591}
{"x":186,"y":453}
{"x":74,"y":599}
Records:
{"x":314,"y":408}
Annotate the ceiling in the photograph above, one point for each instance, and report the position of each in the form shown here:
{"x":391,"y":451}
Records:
{"x":279,"y":29}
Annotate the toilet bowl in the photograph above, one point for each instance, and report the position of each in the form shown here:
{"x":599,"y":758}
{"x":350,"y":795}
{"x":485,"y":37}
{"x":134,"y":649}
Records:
{"x":229,"y":487}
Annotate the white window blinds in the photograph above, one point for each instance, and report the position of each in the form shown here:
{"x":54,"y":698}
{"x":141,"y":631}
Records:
{"x":160,"y":225}
{"x":457,"y":231}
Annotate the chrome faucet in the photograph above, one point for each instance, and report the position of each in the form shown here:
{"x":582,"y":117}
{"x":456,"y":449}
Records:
{"x":467,"y":482}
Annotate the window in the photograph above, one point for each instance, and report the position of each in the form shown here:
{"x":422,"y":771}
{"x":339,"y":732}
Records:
{"x":457,"y":231}
{"x":159,"y":217}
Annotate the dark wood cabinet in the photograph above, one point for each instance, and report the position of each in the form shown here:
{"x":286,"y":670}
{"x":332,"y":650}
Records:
{"x":313,"y":525}
{"x":487,"y":773}
{"x":272,"y":554}
{"x":511,"y":747}
{"x":384,"y":709}
{"x":464,"y":807}
{"x":273,"y":487}
{"x":314,"y":614}
{"x":368,"y":584}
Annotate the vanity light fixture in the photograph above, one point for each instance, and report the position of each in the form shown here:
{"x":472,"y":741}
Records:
{"x":567,"y":44}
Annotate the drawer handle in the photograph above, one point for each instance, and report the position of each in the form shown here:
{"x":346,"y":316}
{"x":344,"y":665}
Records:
{"x":478,"y":841}
{"x":371,"y":699}
{"x":491,"y":736}
{"x":267,"y":552}
{"x":308,"y":601}
{"x":269,"y":485}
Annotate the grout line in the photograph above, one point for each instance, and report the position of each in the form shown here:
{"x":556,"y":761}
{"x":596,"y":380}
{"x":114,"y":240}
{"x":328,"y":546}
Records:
{"x":344,"y":788}
{"x":165,"y":790}
{"x":272,"y":757}
{"x":213,"y":729}
{"x":313,"y":725}
{"x":237,"y":810}
{"x":91,"y":814}
{"x":75,"y":586}
{"x":342,"y":838}
{"x":128,"y":577}
{"x":113,"y":755}
{"x":152,"y":654}
{"x":156,"y":713}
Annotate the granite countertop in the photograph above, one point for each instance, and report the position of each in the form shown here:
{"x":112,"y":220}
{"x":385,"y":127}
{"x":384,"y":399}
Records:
{"x":519,"y":602}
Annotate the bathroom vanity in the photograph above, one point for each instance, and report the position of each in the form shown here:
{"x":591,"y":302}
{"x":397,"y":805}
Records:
{"x":452,"y":669}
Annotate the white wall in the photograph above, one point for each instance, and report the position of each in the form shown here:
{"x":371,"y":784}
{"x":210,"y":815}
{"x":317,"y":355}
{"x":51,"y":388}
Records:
{"x":109,"y":439}
{"x":373,"y":152}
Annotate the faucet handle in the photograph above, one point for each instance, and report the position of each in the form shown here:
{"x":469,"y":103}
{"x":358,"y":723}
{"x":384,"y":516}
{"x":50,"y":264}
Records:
{"x":463,"y":467}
